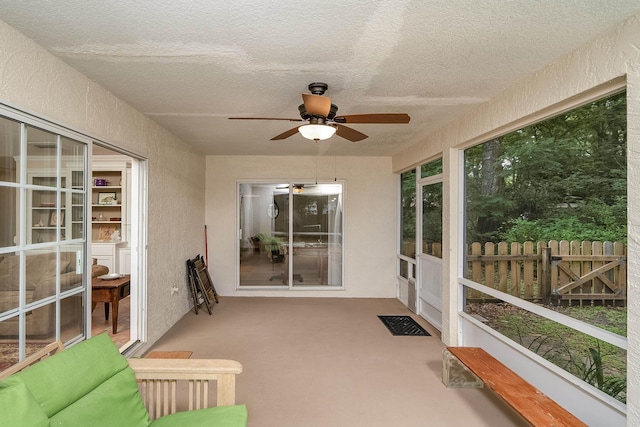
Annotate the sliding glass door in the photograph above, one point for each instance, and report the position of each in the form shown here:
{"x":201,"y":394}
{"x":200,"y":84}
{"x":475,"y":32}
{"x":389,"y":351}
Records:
{"x":290,"y":235}
{"x":316,"y":247}
{"x":43,"y":259}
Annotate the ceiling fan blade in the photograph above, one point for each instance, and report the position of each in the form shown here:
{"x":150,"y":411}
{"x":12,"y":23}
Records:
{"x":316,"y":105}
{"x":350,"y":134}
{"x":374,"y":118}
{"x":264,"y":118}
{"x":285,"y":135}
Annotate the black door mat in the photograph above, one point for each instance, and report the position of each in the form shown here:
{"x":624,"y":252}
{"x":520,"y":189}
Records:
{"x":403,"y":325}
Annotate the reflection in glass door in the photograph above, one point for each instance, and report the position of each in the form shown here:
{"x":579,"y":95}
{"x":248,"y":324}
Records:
{"x":290,"y":244}
{"x":430,"y":259}
{"x":316,"y":248}
{"x":263,"y":214}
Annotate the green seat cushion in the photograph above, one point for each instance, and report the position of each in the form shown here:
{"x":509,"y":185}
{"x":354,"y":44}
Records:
{"x":220,"y":416}
{"x":18,"y":407}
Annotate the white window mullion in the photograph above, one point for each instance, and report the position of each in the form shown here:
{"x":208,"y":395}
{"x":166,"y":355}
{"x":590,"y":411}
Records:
{"x":22,"y":241}
{"x":290,"y":238}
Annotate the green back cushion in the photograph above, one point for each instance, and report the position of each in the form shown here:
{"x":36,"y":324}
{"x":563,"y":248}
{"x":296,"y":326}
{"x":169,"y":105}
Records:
{"x":67,"y":380}
{"x":19,"y":408}
{"x":220,"y":416}
{"x":112,"y":403}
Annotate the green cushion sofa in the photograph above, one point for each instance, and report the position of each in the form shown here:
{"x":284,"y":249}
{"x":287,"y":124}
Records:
{"x":92,"y":384}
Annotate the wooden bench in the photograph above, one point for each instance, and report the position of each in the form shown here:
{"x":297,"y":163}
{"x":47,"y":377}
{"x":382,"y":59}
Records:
{"x":534,"y":406}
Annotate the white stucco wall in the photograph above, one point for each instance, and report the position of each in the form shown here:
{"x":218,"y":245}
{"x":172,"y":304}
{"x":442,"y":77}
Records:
{"x":609,"y":58}
{"x":370,"y":208}
{"x":36,"y":82}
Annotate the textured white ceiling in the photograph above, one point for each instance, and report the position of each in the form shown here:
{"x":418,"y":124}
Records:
{"x":191,"y":64}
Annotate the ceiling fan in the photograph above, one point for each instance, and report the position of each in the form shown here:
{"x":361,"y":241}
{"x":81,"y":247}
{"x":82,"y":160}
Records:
{"x":323,"y":123}
{"x":297,"y":188}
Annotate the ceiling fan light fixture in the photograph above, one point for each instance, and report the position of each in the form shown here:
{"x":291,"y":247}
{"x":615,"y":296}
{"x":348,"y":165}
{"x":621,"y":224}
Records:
{"x":317,"y":132}
{"x":323,"y":123}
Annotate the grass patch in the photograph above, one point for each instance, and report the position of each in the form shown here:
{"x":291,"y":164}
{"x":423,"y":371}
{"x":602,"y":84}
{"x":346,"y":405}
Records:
{"x":598,"y":363}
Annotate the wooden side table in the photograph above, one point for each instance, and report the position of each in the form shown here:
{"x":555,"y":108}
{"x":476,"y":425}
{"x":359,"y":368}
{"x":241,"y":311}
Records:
{"x":110,"y":292}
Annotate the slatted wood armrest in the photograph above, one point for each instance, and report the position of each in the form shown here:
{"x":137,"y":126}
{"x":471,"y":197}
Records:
{"x":158,"y":380}
{"x":43,"y":353}
{"x":528,"y":401}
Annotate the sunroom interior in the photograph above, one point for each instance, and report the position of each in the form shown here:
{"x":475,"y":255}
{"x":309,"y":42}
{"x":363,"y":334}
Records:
{"x":188,"y":182}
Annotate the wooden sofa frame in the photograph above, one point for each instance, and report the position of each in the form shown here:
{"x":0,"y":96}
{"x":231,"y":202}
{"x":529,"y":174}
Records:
{"x":158,"y":380}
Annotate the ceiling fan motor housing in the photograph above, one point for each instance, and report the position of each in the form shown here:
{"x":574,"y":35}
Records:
{"x":318,"y":88}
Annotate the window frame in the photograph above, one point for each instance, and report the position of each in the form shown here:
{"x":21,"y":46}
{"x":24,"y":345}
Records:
{"x":595,"y":94}
{"x":23,"y":249}
{"x":292,"y":285}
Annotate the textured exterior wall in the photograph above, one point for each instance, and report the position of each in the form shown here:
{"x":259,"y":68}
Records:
{"x":608,"y":58}
{"x":370,"y":217}
{"x":36,"y":82}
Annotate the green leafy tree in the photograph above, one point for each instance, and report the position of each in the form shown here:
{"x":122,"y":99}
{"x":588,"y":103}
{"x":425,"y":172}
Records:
{"x":563,"y":178}
{"x":408,"y":228}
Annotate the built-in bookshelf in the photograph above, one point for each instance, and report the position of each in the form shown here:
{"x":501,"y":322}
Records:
{"x":108,"y":202}
{"x":48,"y":208}
{"x":43,"y":207}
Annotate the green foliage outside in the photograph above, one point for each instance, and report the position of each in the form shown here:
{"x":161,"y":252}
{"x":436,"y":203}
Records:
{"x":408,"y":201}
{"x":598,"y":363}
{"x":561,"y":179}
